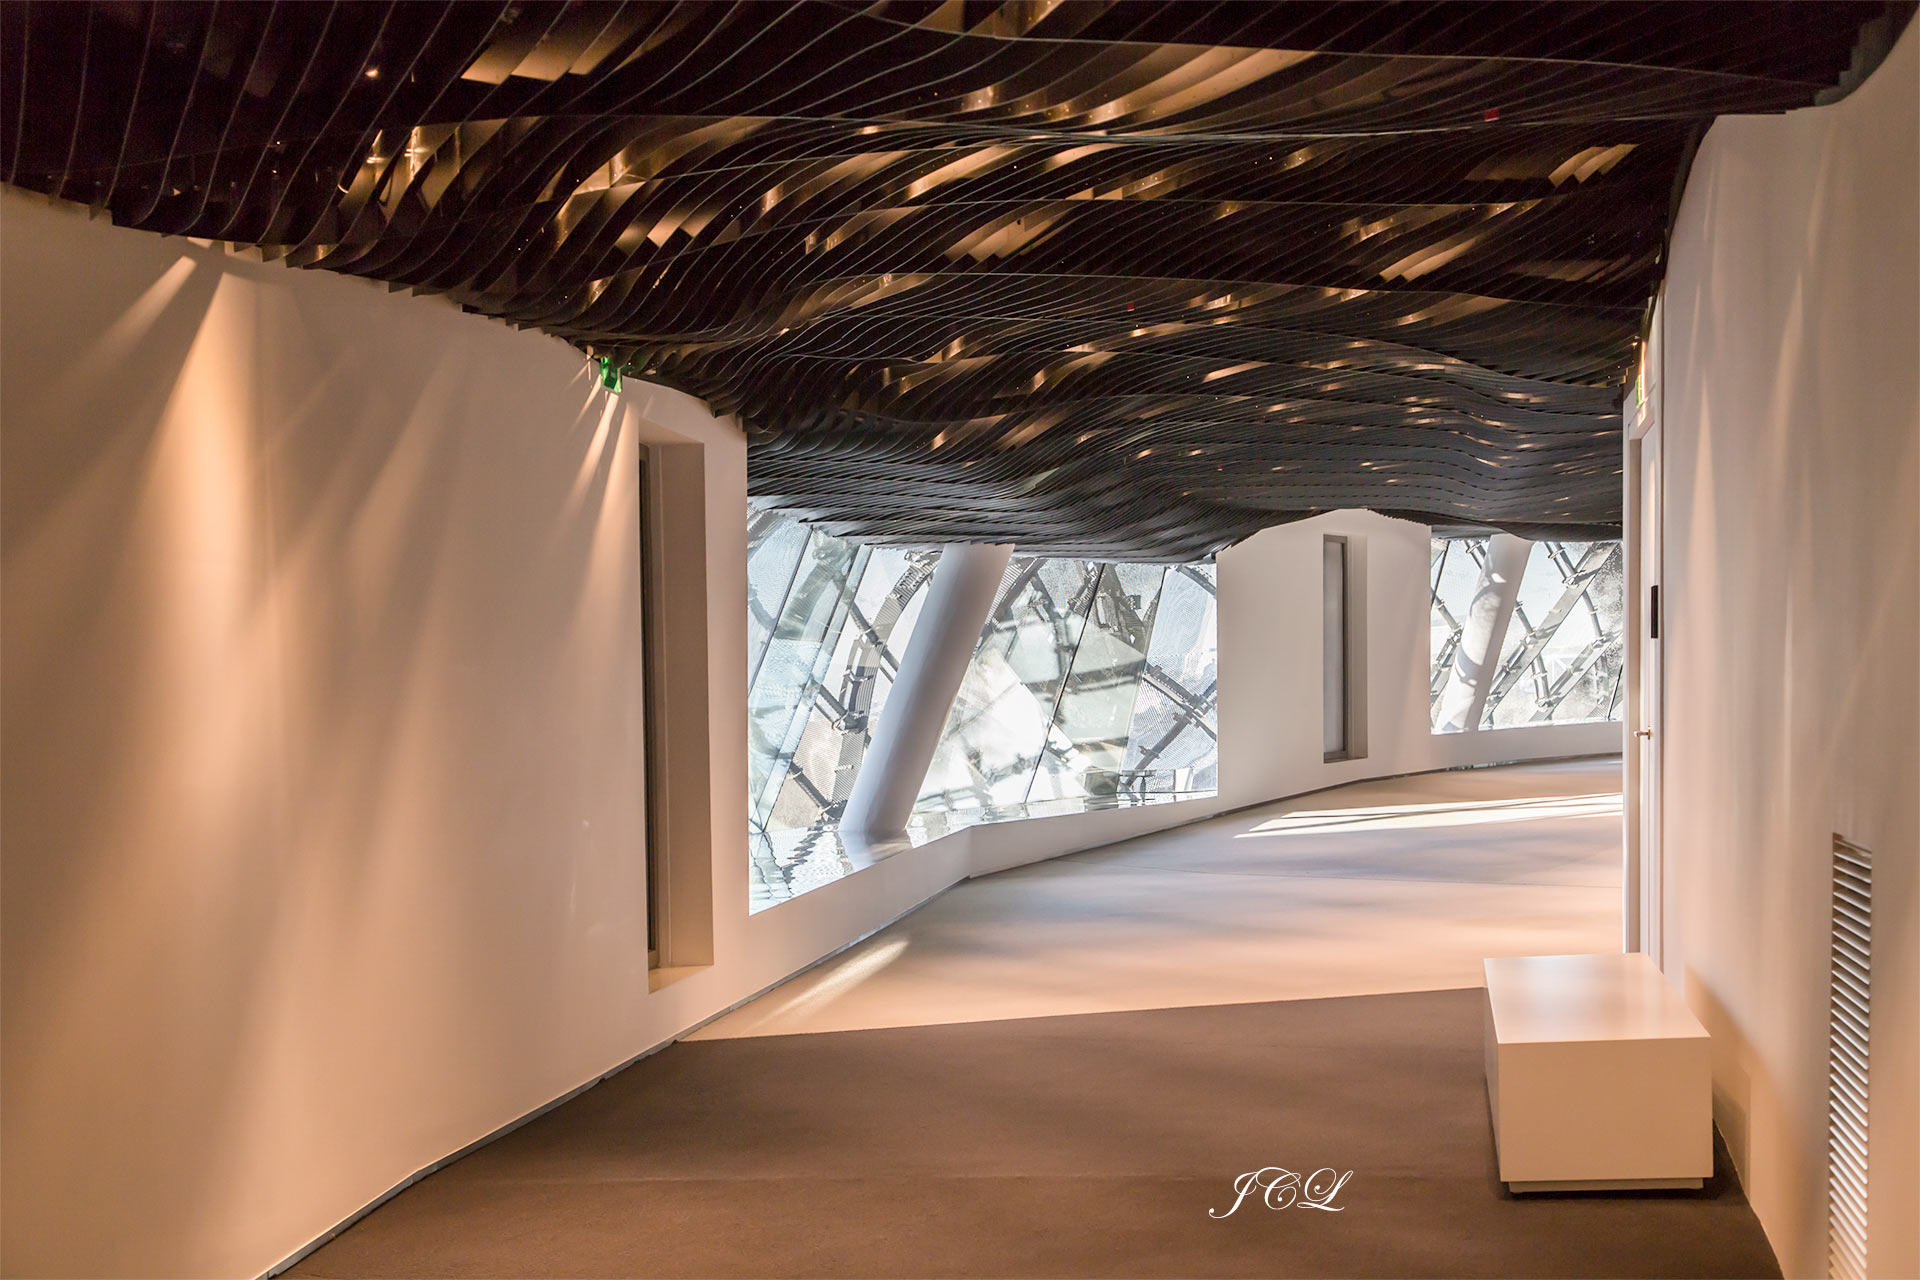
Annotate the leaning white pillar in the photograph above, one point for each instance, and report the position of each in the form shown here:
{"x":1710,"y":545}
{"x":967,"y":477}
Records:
{"x":959,"y":599}
{"x":1481,"y":632}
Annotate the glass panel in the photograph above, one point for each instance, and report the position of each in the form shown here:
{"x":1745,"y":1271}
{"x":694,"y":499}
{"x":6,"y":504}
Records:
{"x":1564,"y":652}
{"x":877,"y":625}
{"x":1091,"y":684}
{"x":1171,"y":746}
{"x":775,"y":543}
{"x":1087,"y":745}
{"x":795,"y":665}
{"x":836,"y":618}
{"x":1456,"y":567}
{"x":998,"y":728}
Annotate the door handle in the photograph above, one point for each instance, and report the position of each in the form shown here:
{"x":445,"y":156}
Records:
{"x":1643,"y":733}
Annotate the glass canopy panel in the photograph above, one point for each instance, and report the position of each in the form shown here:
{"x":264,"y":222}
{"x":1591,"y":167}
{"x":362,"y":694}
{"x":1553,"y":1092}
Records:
{"x":1455,"y":567}
{"x":1564,"y":653}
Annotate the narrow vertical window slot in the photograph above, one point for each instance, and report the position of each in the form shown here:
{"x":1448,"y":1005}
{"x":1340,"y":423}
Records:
{"x":1335,"y":700}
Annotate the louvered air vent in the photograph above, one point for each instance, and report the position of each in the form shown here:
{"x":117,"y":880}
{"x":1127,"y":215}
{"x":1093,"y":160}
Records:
{"x":1847,"y":1044}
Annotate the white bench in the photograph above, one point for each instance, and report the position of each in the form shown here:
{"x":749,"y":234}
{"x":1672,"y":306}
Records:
{"x":1598,"y":1076}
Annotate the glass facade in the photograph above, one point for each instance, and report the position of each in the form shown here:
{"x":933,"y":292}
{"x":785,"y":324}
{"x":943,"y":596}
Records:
{"x":1172,"y":746}
{"x":1564,"y":656}
{"x":827,"y":622}
{"x":1091,"y":685}
{"x":1455,"y":575}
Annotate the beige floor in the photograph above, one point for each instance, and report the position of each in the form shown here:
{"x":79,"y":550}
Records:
{"x":1398,"y":885}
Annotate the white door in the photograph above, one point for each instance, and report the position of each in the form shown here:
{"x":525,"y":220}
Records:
{"x":1650,"y":733}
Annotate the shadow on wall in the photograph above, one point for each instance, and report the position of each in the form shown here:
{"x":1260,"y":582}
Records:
{"x":317,"y":626}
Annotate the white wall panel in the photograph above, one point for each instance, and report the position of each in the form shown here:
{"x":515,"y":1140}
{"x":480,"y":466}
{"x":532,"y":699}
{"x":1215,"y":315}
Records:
{"x":1792,"y":568}
{"x":323,"y":804}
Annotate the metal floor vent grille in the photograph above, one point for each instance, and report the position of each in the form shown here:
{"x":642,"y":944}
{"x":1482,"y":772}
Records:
{"x":1850,"y":1000}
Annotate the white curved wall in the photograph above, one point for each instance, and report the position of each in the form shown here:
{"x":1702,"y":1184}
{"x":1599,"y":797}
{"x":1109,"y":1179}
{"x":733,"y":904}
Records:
{"x":1792,"y":571}
{"x":323,"y":821}
{"x":323,"y":836}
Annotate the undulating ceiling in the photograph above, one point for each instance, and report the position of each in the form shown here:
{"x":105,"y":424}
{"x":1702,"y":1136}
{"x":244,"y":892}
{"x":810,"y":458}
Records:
{"x":1131,"y":280}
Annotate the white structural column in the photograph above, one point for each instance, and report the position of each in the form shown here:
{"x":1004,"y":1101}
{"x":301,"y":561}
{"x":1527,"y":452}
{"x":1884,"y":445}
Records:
{"x":959,"y":600}
{"x":1481,"y":632}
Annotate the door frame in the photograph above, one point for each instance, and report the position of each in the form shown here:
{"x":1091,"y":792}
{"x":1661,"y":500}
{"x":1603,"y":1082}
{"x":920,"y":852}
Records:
{"x":1644,"y":705}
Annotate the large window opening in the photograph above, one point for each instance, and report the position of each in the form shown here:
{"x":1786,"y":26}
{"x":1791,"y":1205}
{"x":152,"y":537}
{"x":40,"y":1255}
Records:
{"x":1561,"y":654}
{"x":1092,"y":685}
{"x":827,"y":622}
{"x":1564,"y":654}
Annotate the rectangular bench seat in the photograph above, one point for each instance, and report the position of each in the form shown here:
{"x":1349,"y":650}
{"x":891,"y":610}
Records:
{"x":1598,"y":1075}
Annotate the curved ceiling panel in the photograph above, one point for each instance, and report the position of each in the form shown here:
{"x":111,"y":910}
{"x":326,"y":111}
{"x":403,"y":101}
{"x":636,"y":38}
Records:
{"x":1131,"y":280}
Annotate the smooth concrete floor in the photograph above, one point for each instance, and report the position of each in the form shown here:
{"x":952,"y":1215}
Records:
{"x":1403,"y":884}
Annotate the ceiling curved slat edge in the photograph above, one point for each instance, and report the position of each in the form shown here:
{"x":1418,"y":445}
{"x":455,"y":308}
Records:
{"x":1129,"y":279}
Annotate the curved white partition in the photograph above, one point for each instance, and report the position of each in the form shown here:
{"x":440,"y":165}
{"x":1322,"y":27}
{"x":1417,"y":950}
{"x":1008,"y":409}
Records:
{"x":324,"y":843}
